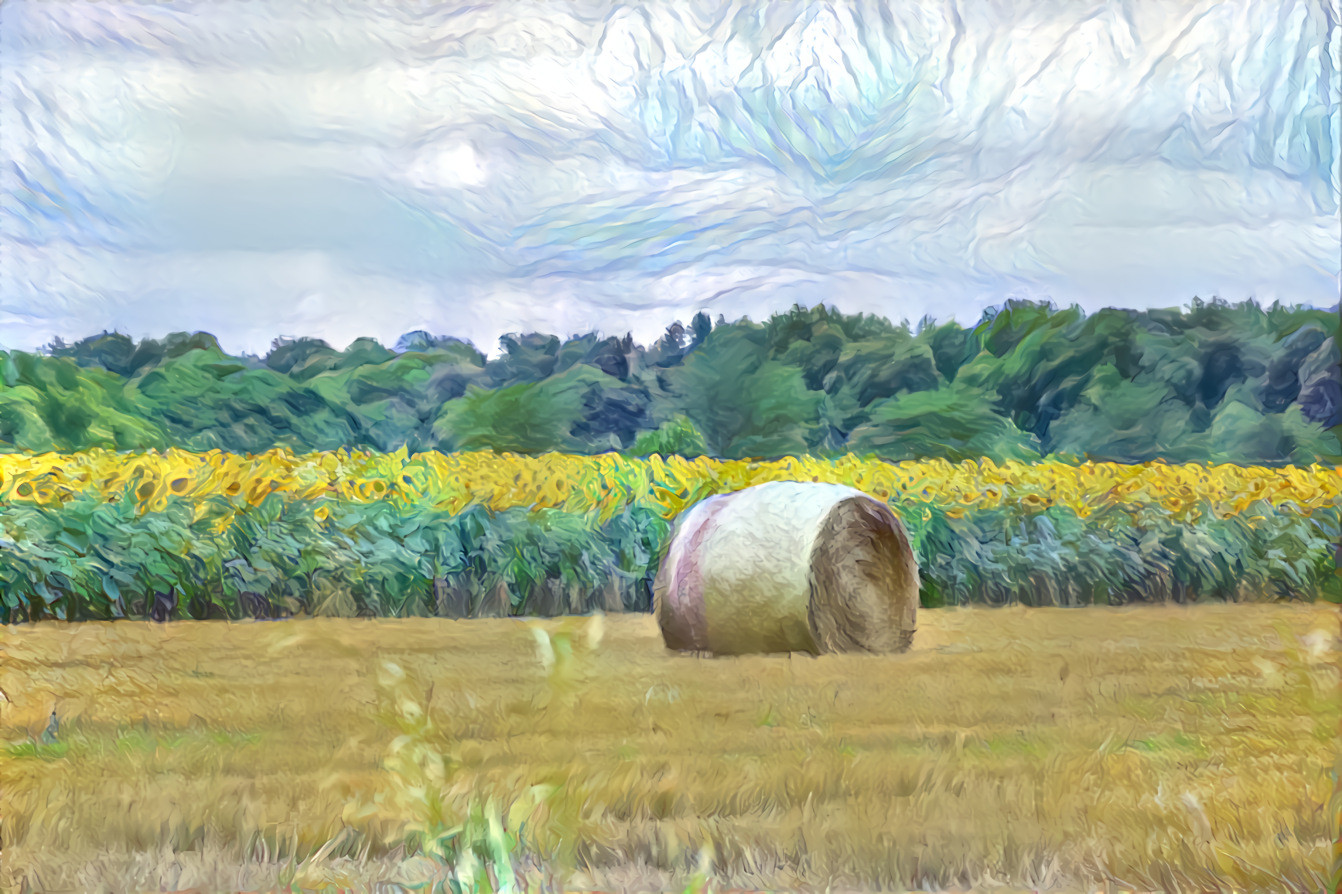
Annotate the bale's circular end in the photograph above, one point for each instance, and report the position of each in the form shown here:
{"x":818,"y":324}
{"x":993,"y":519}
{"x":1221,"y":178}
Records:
{"x":788,"y":567}
{"x":864,"y":581}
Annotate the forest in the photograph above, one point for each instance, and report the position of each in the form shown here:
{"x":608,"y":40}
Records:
{"x":1212,"y":381}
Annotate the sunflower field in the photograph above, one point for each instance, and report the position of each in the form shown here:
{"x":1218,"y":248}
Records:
{"x":101,"y":534}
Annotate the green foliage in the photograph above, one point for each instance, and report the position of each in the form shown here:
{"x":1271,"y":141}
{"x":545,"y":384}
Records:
{"x":1212,"y":381}
{"x":21,"y":425}
{"x":745,"y":405}
{"x":522,"y":418}
{"x":88,"y":559}
{"x":1240,"y":432}
{"x":676,"y":436}
{"x":955,"y":422}
{"x":1121,"y":554}
{"x":54,"y":404}
{"x":1138,"y":419}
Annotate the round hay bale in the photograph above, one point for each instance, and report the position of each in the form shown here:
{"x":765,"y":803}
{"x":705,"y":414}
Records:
{"x":788,"y":567}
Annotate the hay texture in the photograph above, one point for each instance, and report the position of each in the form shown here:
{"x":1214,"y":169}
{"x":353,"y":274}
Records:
{"x":788,"y":567}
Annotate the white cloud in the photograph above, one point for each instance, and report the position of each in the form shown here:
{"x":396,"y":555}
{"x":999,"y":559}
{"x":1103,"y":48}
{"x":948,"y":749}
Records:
{"x":496,"y":166}
{"x":447,"y":166}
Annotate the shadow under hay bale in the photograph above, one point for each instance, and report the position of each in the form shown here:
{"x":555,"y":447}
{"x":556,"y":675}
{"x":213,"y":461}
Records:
{"x":788,"y":567}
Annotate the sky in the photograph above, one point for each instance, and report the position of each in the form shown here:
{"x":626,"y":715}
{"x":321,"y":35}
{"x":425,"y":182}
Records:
{"x":265,"y":168}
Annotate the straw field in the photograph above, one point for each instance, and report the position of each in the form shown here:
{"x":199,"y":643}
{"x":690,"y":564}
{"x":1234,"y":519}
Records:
{"x":1173,"y":748}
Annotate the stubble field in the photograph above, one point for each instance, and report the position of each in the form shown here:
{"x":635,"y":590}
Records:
{"x":1149,"y":748}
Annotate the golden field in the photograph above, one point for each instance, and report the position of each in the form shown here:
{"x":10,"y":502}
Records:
{"x":609,"y":482}
{"x":1153,"y":748}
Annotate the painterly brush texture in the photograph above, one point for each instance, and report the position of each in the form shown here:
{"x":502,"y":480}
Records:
{"x":347,"y":169}
{"x":410,"y":326}
{"x":788,"y":567}
{"x":184,"y":535}
{"x":1152,"y":748}
{"x":1239,"y":384}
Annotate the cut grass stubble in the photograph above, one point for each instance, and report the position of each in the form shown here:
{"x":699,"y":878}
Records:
{"x":1153,"y":748}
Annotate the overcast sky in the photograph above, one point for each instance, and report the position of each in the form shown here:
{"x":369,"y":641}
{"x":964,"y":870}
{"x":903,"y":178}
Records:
{"x":268,"y":168}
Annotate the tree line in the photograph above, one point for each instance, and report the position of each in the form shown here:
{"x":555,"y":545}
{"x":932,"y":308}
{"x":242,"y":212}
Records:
{"x":1210,"y":382}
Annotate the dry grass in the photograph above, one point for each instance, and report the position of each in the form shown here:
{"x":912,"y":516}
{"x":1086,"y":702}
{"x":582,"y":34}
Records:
{"x":1155,"y":748}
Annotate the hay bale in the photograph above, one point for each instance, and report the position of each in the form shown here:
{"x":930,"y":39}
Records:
{"x":788,"y":567}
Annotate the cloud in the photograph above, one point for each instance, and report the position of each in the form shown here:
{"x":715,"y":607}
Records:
{"x":507,"y":166}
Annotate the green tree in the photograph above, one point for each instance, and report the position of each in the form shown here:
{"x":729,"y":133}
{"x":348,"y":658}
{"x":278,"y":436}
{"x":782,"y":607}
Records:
{"x":1120,"y":420}
{"x":1210,"y":380}
{"x":745,"y":405}
{"x":955,"y":422}
{"x":677,"y":436}
{"x":522,"y":418}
